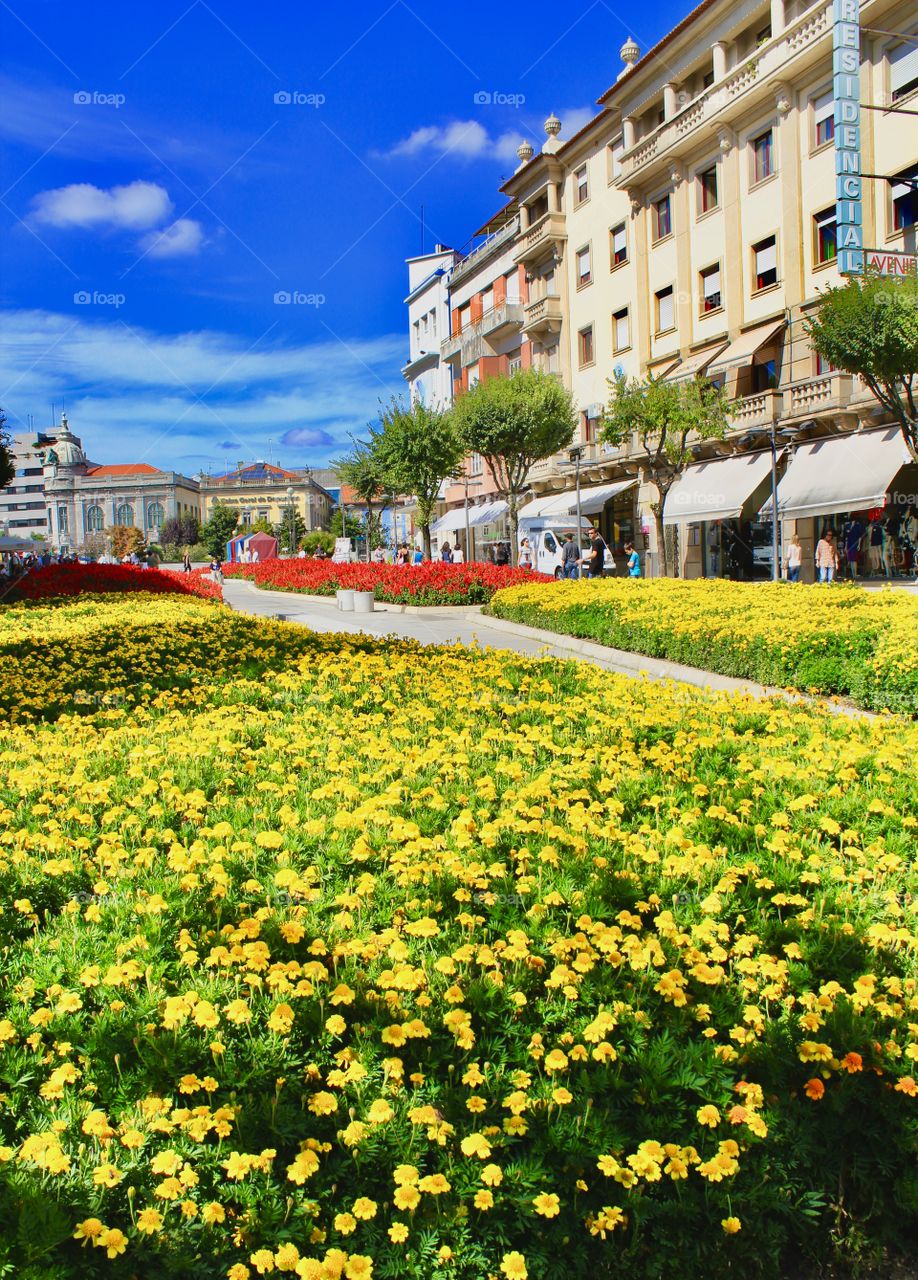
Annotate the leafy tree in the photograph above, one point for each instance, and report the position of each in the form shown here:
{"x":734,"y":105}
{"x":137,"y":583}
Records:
{"x":666,"y":417}
{"x":93,"y":546}
{"x":282,"y":532}
{"x":7,"y":466}
{"x":513,"y":423}
{"x":319,"y":538}
{"x":361,"y":470}
{"x":261,"y":525}
{"x":218,"y":530}
{"x":416,"y":448}
{"x":181,"y":531}
{"x":125,"y":540}
{"x":339,"y":528}
{"x":869,"y":327}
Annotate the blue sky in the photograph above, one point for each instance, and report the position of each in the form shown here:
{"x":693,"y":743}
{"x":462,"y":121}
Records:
{"x":168,"y":169}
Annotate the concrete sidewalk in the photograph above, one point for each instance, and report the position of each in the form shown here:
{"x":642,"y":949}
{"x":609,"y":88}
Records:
{"x":472,"y":628}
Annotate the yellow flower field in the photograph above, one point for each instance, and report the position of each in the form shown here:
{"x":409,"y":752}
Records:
{"x":830,"y":640}
{"x":376,"y":960}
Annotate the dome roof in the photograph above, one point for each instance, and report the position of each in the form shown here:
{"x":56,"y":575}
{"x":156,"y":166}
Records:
{"x":67,"y":451}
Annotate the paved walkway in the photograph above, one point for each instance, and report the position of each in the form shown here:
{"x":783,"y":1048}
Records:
{"x":461,"y":626}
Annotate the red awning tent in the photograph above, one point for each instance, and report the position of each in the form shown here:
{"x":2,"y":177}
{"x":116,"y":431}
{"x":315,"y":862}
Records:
{"x":264,"y":544}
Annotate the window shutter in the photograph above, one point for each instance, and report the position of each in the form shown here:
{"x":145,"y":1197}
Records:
{"x":903,"y":69}
{"x":823,"y":108}
{"x":712,"y":283}
{"x":766,"y":258}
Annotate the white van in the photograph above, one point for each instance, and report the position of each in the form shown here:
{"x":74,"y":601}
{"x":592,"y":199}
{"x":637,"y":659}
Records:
{"x":546,"y":536}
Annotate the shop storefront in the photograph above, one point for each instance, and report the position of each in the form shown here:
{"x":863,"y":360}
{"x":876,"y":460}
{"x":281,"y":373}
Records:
{"x":864,"y":487}
{"x":487,"y":530}
{"x":715,"y":507}
{"x":610,"y":507}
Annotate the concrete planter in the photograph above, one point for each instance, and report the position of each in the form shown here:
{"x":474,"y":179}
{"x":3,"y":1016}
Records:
{"x":345,"y":601}
{"x":363,"y":601}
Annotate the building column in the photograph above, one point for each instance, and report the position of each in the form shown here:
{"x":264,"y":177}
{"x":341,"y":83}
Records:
{"x":720,"y":59}
{"x":777,"y":17}
{"x":629,"y":132}
{"x":670,"y":100}
{"x":685,"y":309}
{"x":735,"y":265}
{"x":552,"y":197}
{"x":524,"y":217}
{"x":641,"y":318}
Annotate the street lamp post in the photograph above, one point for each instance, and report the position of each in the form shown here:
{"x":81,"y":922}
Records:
{"x":576,"y":455}
{"x":775,"y":559}
{"x":291,"y":520}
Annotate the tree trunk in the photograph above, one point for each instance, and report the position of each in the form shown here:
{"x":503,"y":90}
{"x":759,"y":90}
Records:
{"x":425,"y":535}
{"x":514,"y":530}
{"x":661,"y":538}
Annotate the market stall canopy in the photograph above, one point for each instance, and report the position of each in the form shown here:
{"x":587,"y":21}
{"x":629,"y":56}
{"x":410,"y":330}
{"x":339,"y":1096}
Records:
{"x":716,"y":490}
{"x":741,"y":350}
{"x":696,"y":363}
{"x":846,"y":473}
{"x":264,"y":544}
{"x":453,"y":520}
{"x":592,"y":500}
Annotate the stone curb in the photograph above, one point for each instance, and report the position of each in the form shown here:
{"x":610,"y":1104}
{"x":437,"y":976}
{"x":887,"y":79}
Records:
{"x":426,"y":611}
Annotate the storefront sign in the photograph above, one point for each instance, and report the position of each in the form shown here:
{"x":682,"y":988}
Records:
{"x":846,"y":83}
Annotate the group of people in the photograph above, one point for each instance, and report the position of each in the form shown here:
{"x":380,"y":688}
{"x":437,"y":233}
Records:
{"x":884,"y":548}
{"x":599,"y":561}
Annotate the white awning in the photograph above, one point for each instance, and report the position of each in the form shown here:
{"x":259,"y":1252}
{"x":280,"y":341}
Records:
{"x":742,"y":349}
{"x":696,"y":363}
{"x":454,"y":519}
{"x":846,"y":473}
{"x":716,"y":490}
{"x":592,"y":500}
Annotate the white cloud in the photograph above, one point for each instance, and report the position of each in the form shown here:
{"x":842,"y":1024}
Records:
{"x":135,"y":207}
{"x":469,"y":139}
{"x":183,"y":238}
{"x":136,"y":395}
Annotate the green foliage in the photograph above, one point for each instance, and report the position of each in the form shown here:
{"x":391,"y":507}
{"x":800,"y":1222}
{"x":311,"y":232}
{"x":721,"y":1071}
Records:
{"x":181,"y":531}
{"x":345,"y":526}
{"x":125,"y":540}
{"x":261,"y":525}
{"x":219,"y":529}
{"x":513,"y":423}
{"x":666,"y":417}
{"x":869,"y":327}
{"x":316,"y":538}
{"x":7,"y":469}
{"x":282,"y":532}
{"x":363,"y":472}
{"x":416,"y":448}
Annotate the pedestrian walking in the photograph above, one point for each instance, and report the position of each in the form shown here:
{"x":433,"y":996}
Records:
{"x":854,"y":532}
{"x":458,"y":553}
{"x":525,"y":560}
{"x":446,"y":555}
{"x":597,"y":553}
{"x":794,"y":559}
{"x":186,"y":563}
{"x":827,"y":557}
{"x":570,"y":557}
{"x":633,"y":564}
{"x":501,"y":558}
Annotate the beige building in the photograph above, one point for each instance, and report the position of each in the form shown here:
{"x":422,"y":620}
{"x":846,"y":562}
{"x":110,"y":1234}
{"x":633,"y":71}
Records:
{"x":262,"y":491}
{"x":686,"y":231}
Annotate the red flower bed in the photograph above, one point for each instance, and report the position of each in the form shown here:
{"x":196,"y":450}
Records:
{"x":78,"y":579}
{"x":431,"y":583}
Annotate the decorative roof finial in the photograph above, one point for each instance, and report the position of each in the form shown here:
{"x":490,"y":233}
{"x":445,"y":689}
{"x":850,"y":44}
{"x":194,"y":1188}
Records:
{"x":630,"y":52}
{"x":553,"y":126}
{"x":524,"y":151}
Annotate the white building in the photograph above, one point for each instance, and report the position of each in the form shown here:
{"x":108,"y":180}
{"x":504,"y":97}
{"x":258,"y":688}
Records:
{"x":429,"y":380}
{"x":23,"y":512}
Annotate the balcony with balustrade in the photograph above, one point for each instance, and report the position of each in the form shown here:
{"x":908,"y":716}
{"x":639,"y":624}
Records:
{"x":545,"y":234}
{"x":543,"y":316}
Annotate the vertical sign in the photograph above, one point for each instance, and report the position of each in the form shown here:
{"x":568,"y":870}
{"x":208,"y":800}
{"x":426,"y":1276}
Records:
{"x":846,"y":86}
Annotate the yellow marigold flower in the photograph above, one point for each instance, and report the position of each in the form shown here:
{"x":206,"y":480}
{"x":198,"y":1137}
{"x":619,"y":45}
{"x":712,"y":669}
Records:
{"x":149,"y":1221}
{"x":380,"y":1112}
{"x":323,"y":1104}
{"x":709,"y":1116}
{"x":555,"y":1061}
{"x":492,"y":1175}
{"x":335,"y":1025}
{"x":405,"y":1175}
{"x":238,"y":1271}
{"x":394,"y":1035}
{"x":345,"y":1223}
{"x":814,"y":1089}
{"x":303,"y":1167}
{"x":406,"y":1198}
{"x":731,"y":1225}
{"x":106,"y":1175}
{"x":398,"y":1233}
{"x":562,"y":1097}
{"x":434,"y":1184}
{"x":213,"y":1212}
{"x":287,"y":1257}
{"x":88,"y":1230}
{"x":263,"y":1261}
{"x":476,"y":1144}
{"x":113,"y":1241}
{"x":513,"y":1265}
{"x":359,"y":1266}
{"x":364,"y":1208}
{"x":547,"y":1205}
{"x":167,"y":1162}
{"x":484,"y":1200}
{"x":281,"y":1020}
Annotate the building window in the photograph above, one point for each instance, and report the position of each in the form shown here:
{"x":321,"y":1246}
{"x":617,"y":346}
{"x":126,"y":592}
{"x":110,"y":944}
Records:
{"x":710,"y":289}
{"x":707,"y":190}
{"x":156,"y":516}
{"x":666,"y":315}
{"x":621,"y":335}
{"x":584,"y":271}
{"x":465,"y":317}
{"x":263,"y":515}
{"x":903,"y":70}
{"x":476,"y":465}
{"x":514,"y":362}
{"x":582,"y":184}
{"x":245,"y":518}
{"x":822,"y":365}
{"x":512,"y":280}
{"x":707,"y":79}
{"x":824,"y":226}
{"x":125,"y":514}
{"x":61,"y":520}
{"x":585,"y":343}
{"x":763,"y":156}
{"x":587,"y":428}
{"x":95,"y":519}
{"x":824,"y":119}
{"x":765,"y":263}
{"x":618,"y":245}
{"x":905,"y":200}
{"x":662,"y":218}
{"x":616,"y":151}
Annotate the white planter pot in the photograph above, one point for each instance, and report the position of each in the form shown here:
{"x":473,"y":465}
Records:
{"x":363,"y":602}
{"x":345,"y":600}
